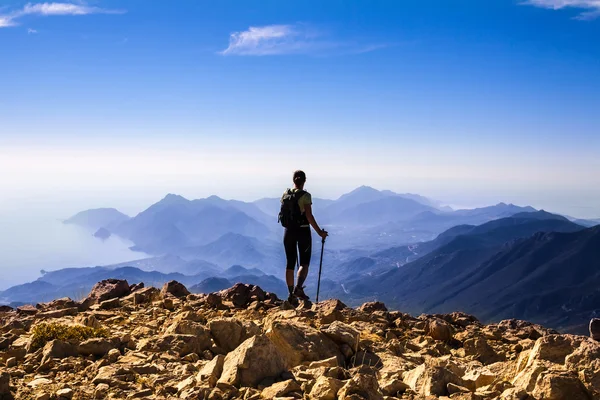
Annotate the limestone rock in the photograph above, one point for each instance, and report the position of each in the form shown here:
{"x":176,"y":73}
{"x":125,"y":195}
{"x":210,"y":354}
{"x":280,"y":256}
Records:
{"x":64,"y":394}
{"x":280,"y":389}
{"x":212,"y":371}
{"x":363,"y":385}
{"x":228,"y":333}
{"x":439,"y":329}
{"x":560,"y":385}
{"x":555,"y":348}
{"x":108,"y":289}
{"x":300,"y":343}
{"x":372,"y":306}
{"x":57,"y":349}
{"x":95,"y":347}
{"x":181,"y":344}
{"x":174,"y":288}
{"x":431,"y":378}
{"x":325,"y":388}
{"x":342,"y":333}
{"x":251,"y":362}
{"x":479,"y":348}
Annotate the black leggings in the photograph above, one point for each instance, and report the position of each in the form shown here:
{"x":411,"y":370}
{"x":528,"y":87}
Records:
{"x":297,"y":240}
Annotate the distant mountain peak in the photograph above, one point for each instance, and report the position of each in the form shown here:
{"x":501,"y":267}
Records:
{"x":173,"y":199}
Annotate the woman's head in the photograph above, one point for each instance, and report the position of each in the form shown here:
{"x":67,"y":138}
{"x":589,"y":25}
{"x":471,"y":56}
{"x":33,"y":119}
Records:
{"x":299,"y":178}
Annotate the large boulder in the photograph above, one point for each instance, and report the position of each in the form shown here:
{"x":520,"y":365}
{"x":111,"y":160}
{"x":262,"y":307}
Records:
{"x":98,"y":347}
{"x":372,"y":306}
{"x":212,"y":371}
{"x":188,"y":327}
{"x":280,"y":389}
{"x":325,"y":388}
{"x":439,"y":329}
{"x":228,"y":333}
{"x":254,"y":360}
{"x":106,"y":290}
{"x":299,"y":343}
{"x":241,"y":294}
{"x":560,"y":385}
{"x":342,"y":333}
{"x":361,"y":386}
{"x":58,"y":349}
{"x":180,"y":344}
{"x":174,"y":288}
{"x":432,"y":378}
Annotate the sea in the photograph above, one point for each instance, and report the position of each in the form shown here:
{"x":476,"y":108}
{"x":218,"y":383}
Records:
{"x":31,"y":243}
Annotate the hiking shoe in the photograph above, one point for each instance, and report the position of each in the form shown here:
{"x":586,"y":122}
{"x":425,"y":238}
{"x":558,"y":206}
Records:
{"x":299,"y":293}
{"x":293,"y":300}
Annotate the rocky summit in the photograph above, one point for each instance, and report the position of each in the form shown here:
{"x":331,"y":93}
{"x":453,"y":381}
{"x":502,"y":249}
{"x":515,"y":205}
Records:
{"x":134,"y":342}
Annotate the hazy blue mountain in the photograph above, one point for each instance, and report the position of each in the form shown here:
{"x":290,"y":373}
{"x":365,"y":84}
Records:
{"x":374,"y":212}
{"x":432,"y":281}
{"x":96,"y":219}
{"x":40,"y":290}
{"x":586,"y":222}
{"x":176,"y":222}
{"x":171,"y":263}
{"x":231,"y":249}
{"x":237,"y":270}
{"x":496,"y":232}
{"x":211,"y":285}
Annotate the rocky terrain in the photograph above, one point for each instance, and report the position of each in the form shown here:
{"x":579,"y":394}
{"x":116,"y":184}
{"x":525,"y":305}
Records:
{"x":135,"y":342}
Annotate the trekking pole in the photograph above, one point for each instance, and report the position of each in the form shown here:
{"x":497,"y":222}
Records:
{"x":320,"y":266}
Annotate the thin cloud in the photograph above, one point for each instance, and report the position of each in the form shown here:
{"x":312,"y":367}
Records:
{"x":287,"y":39}
{"x":31,"y":31}
{"x":52,"y":9}
{"x":591,"y":7}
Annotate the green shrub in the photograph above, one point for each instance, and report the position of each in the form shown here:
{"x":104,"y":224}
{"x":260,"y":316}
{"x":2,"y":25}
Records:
{"x":46,"y":332}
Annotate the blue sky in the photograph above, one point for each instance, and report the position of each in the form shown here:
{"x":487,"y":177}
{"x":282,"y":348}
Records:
{"x":470,"y":101}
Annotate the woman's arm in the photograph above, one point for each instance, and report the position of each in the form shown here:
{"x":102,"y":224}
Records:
{"x":311,"y":219}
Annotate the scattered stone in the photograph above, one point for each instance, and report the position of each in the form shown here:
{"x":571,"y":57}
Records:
{"x":57,"y":349}
{"x":106,"y":290}
{"x":174,"y":288}
{"x":325,"y":388}
{"x":300,"y":343}
{"x":372,"y":307}
{"x":242,"y":343}
{"x":96,"y":347}
{"x":110,"y":304}
{"x":281,"y":389}
{"x":64,"y":394}
{"x":212,"y":371}
{"x":342,"y":333}
{"x":254,"y":360}
{"x":228,"y":333}
{"x":439,"y":329}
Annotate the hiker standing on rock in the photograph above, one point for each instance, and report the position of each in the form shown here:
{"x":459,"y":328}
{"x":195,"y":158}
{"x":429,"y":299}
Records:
{"x":296,"y":217}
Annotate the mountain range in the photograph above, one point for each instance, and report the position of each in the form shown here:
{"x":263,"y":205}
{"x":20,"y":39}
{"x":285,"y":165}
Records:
{"x":532,"y":265}
{"x":414,"y":253}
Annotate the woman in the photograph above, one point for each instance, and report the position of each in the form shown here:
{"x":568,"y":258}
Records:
{"x":297,"y":218}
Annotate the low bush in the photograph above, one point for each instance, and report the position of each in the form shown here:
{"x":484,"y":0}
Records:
{"x":46,"y":332}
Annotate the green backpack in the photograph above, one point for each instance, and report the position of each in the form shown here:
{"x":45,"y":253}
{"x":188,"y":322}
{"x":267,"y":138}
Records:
{"x":290,"y":215}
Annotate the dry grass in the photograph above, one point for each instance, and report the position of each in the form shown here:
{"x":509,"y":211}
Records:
{"x":46,"y":332}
